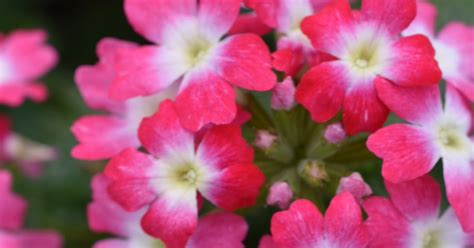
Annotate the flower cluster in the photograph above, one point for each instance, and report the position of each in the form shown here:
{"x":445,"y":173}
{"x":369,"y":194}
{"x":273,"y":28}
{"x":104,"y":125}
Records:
{"x":182,"y":111}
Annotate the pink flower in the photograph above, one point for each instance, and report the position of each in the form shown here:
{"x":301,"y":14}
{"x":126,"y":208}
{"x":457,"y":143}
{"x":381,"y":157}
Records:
{"x":29,"y":155}
{"x":188,"y":51}
{"x":355,"y":185}
{"x":335,"y":133}
{"x":280,"y":195}
{"x":454,"y":47}
{"x":294,"y":49}
{"x":103,"y":136}
{"x":303,"y":225}
{"x":215,"y":230}
{"x":264,"y":139}
{"x":283,"y":97}
{"x":411,"y":150}
{"x":24,"y":57}
{"x":369,"y":52}
{"x":180,"y":170}
{"x":12,"y":213}
{"x":411,"y":218}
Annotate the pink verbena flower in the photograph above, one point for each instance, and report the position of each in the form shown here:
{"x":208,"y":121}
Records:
{"x":214,"y":230}
{"x":12,"y":213}
{"x":294,"y":49}
{"x":412,"y":150}
{"x":180,"y":169}
{"x":29,"y":155}
{"x":303,"y":225}
{"x":410,"y":218}
{"x":24,"y":57}
{"x":103,"y":136}
{"x":189,"y":52}
{"x":454,"y":47}
{"x":368,"y":51}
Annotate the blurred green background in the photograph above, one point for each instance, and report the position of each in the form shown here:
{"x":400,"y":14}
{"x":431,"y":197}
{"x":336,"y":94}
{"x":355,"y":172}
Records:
{"x":58,"y":200}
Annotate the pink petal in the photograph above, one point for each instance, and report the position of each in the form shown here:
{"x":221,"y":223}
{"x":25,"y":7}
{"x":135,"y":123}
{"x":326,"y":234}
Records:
{"x":111,"y":243}
{"x":266,"y":10}
{"x":29,"y":54}
{"x":327,"y":28}
{"x":355,"y":185}
{"x":101,"y":137}
{"x":283,"y":95}
{"x":205,"y":98}
{"x":144,"y":71}
{"x":413,"y":62}
{"x":218,"y":230}
{"x":38,"y":239}
{"x":249,"y":23}
{"x":224,"y":146}
{"x":322,"y":89}
{"x":13,"y":94}
{"x":457,"y":108}
{"x":362,"y":110}
{"x":417,"y":200}
{"x":105,"y":215}
{"x":418,"y":105}
{"x":459,"y":181}
{"x":289,"y":60}
{"x":267,"y":242}
{"x":343,"y":223}
{"x":407,"y":151}
{"x":235,"y":187}
{"x":217,"y":16}
{"x":162,"y":133}
{"x":153,"y":18}
{"x":425,"y":20}
{"x":172,"y":220}
{"x":466,"y":87}
{"x":12,"y":207}
{"x":386,"y":225}
{"x":130,"y":172}
{"x":280,"y":195}
{"x":299,"y":227}
{"x":394,"y":15}
{"x":245,"y":61}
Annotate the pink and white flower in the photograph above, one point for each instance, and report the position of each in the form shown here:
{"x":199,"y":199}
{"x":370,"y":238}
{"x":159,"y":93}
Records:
{"x":181,"y":169}
{"x":410,"y":218}
{"x":103,"y":136}
{"x":214,"y":230}
{"x":24,"y":57}
{"x":303,"y":225}
{"x":189,"y":51}
{"x":12,"y":213}
{"x":412,"y":150}
{"x":29,"y":155}
{"x":294,"y":49}
{"x":454,"y":47}
{"x":368,"y":50}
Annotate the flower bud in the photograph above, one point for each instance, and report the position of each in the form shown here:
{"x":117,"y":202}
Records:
{"x":283,"y":97}
{"x":335,"y":133}
{"x":264,"y":139}
{"x":355,"y":185}
{"x":280,"y":195}
{"x":313,"y":172}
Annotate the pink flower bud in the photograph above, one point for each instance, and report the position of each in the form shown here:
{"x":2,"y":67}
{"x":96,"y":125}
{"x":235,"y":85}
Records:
{"x":280,"y":195}
{"x":335,"y":133}
{"x":264,"y":139}
{"x":355,"y":185}
{"x":283,"y":97}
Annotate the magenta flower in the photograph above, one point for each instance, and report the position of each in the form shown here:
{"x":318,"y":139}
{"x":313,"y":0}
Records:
{"x":303,"y":225}
{"x":24,"y":57}
{"x":214,"y":230}
{"x":103,"y":136}
{"x":182,"y":167}
{"x":367,"y":51}
{"x":12,"y":213}
{"x":410,"y":218}
{"x":454,"y":47}
{"x":189,"y":52}
{"x":411,"y":150}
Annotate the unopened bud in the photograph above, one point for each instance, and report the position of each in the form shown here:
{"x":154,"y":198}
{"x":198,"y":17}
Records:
{"x":355,"y":185}
{"x":264,"y":139}
{"x":313,"y":172}
{"x":283,"y":97}
{"x":280,"y":195}
{"x":335,"y":133}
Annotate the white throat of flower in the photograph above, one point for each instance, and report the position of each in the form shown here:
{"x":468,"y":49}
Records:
{"x":452,"y":140}
{"x":5,"y":71}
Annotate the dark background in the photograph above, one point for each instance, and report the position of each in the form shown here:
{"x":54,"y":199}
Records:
{"x":58,"y":200}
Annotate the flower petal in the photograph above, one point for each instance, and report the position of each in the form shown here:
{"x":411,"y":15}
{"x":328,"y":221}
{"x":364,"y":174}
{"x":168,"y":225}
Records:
{"x":425,"y":20}
{"x":12,"y":207}
{"x":457,"y":108}
{"x":407,"y":151}
{"x":217,"y":16}
{"x":394,"y":15}
{"x":249,"y":23}
{"x":14,"y":93}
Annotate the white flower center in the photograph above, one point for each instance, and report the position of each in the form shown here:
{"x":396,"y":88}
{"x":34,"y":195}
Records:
{"x":452,"y":139}
{"x":197,"y":51}
{"x":430,"y":240}
{"x":187,"y":175}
